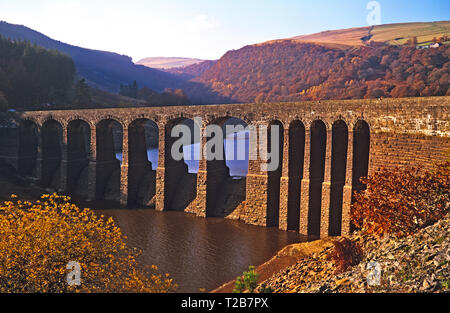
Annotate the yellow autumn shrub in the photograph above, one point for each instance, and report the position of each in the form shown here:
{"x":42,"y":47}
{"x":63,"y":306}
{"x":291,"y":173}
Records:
{"x":39,"y":239}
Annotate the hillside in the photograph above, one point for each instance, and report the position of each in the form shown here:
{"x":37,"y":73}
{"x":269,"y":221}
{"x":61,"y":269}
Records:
{"x":103,"y":70}
{"x":292,"y":70}
{"x":328,"y":65}
{"x":31,"y":75}
{"x":167,"y":62}
{"x":396,"y":34}
{"x":191,"y":71}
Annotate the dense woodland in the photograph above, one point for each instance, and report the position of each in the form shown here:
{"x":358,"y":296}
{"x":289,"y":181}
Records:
{"x":167,"y":97}
{"x":31,"y":75}
{"x":289,"y":70}
{"x":101,"y":69}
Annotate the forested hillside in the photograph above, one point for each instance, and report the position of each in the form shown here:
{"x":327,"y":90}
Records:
{"x":101,"y":69}
{"x":281,"y":70}
{"x":34,"y":78}
{"x":289,"y":70}
{"x":31,"y":75}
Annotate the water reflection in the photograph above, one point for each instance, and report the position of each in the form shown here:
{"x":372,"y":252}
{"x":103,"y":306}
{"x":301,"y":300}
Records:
{"x":236,"y":146}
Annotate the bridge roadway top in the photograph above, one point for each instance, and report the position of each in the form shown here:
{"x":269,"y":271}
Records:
{"x":427,"y":115}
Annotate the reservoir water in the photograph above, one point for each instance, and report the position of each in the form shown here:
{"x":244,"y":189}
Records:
{"x":198,"y":252}
{"x":236,"y":154}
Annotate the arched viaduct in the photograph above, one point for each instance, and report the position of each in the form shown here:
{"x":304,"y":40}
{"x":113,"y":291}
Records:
{"x":325,"y":148}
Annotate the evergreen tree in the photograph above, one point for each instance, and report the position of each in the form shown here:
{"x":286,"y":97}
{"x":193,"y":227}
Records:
{"x":3,"y":102}
{"x":82,"y":93}
{"x":31,"y":75}
{"x":131,"y":90}
{"x":134,"y":90}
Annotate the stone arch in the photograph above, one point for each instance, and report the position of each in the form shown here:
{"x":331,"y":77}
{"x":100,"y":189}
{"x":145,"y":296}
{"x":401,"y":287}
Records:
{"x":51,"y":118}
{"x":243,"y":117}
{"x":82,"y":118}
{"x":109,"y":138}
{"x":226,"y":174}
{"x":100,"y":120}
{"x":31,"y":119}
{"x":52,"y":152}
{"x":361,"y":151}
{"x":180,"y":184}
{"x":78,"y":156}
{"x":273,"y":184}
{"x":318,"y":142}
{"x":143,"y":143}
{"x":28,"y":147}
{"x":296,"y":156}
{"x":339,"y":147}
{"x":236,"y":132}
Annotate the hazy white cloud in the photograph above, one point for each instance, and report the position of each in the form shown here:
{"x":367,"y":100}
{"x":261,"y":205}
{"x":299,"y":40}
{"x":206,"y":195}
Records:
{"x":201,"y":22}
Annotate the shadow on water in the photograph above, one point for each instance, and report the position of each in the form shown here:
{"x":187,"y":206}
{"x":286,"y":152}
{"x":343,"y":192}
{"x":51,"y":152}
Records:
{"x":197,"y":252}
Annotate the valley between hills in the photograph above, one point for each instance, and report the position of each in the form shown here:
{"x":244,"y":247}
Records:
{"x":392,"y":60}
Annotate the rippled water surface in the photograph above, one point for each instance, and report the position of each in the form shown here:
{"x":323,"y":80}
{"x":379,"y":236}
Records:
{"x":198,"y":252}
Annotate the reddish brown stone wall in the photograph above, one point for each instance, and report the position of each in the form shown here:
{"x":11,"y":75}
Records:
{"x":392,"y":149}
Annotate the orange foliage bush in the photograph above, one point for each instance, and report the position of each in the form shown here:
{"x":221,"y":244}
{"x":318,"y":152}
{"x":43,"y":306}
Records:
{"x":346,"y":253}
{"x":402,"y":200}
{"x":38,"y":240}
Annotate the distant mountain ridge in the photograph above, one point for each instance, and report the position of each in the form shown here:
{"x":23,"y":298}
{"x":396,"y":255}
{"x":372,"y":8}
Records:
{"x":393,"y":34}
{"x":191,"y":71}
{"x":103,"y":70}
{"x":340,"y":64}
{"x":168,"y":62}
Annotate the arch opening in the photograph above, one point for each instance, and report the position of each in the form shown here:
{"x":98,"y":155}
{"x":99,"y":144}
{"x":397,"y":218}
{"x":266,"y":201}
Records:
{"x":78,"y":154}
{"x":339,"y":147}
{"x":236,"y":146}
{"x":317,"y":171}
{"x":273,"y":183}
{"x":226,"y":175}
{"x":295,"y":172}
{"x":109,"y":137}
{"x":361,"y":150}
{"x":51,"y":154}
{"x":181,"y":174}
{"x":142,"y":162}
{"x":28,"y":148}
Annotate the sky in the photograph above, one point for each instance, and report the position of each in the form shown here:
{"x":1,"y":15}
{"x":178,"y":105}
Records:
{"x":203,"y":29}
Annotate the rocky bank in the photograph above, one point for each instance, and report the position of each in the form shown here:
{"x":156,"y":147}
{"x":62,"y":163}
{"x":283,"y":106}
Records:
{"x":417,"y":263}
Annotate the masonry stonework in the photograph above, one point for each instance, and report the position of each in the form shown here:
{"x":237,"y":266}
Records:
{"x":326,"y":147}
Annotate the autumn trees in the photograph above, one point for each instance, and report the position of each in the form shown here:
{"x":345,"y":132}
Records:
{"x":39,"y":239}
{"x":402,"y":200}
{"x":293,"y":71}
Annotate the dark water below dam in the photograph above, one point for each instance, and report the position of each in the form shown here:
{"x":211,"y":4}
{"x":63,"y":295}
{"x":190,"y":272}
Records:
{"x":197,"y":252}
